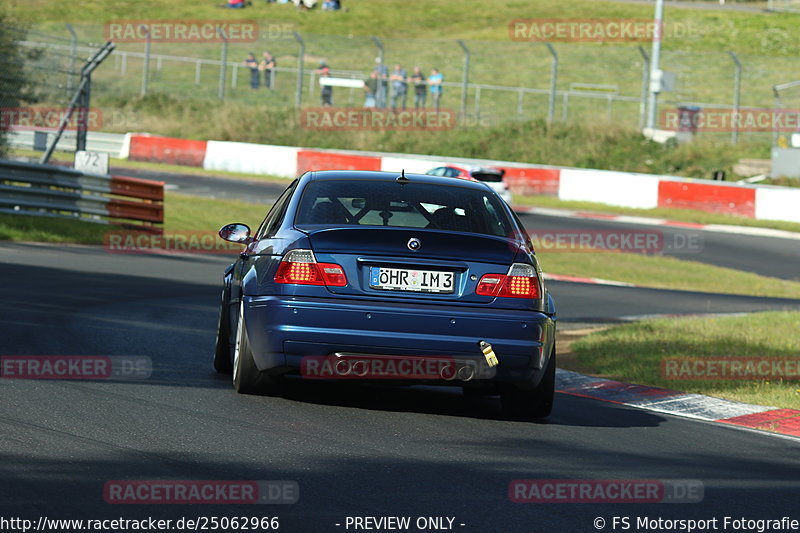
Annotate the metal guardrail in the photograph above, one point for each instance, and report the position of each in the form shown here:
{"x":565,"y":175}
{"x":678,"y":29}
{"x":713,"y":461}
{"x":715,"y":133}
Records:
{"x":53,"y":191}
{"x":109,"y":143}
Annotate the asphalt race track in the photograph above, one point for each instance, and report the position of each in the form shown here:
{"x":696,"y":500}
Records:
{"x":353,"y":450}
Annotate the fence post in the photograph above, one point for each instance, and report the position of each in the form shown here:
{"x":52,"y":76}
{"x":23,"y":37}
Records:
{"x":73,"y":51}
{"x":655,"y":66}
{"x":235,"y":76}
{"x":737,"y":85}
{"x":465,"y":80}
{"x":197,"y":72}
{"x":298,"y":97}
{"x":645,"y":81}
{"x":380,"y":96}
{"x":551,"y":107}
{"x":82,"y":96}
{"x":83,"y":113}
{"x":146,"y":66}
{"x":223,"y":63}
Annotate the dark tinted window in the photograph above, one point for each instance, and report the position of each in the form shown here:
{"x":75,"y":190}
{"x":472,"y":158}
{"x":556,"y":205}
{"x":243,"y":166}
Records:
{"x":275,"y":215}
{"x":494,"y":177}
{"x":413,"y":205}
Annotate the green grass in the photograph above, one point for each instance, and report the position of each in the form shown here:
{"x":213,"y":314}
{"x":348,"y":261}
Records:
{"x":683,"y":215}
{"x":184,"y":212}
{"x":26,"y":228}
{"x":443,"y":19}
{"x":181,"y":213}
{"x":633,"y":353}
{"x":424,"y":32}
{"x":591,"y":145}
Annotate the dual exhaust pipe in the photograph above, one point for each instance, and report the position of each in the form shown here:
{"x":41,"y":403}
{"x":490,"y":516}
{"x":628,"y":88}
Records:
{"x":464,"y":372}
{"x":447,"y":368}
{"x":362,"y":366}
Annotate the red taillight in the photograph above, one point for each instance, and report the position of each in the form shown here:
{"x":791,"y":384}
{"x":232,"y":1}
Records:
{"x":520,"y":282}
{"x":300,"y":267}
{"x":333,"y":274}
{"x":490,"y":284}
{"x":520,"y":287}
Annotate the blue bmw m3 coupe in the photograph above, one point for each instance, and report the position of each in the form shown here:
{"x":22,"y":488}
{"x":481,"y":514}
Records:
{"x":391,"y":277}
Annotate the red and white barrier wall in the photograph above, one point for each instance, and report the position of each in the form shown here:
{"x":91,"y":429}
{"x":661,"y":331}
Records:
{"x":624,"y":189}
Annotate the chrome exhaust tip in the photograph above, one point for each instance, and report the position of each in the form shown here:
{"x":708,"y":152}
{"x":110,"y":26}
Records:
{"x":466,"y":373}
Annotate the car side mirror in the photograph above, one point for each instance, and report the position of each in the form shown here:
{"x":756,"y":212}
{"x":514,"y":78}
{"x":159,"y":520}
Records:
{"x":237,"y":232}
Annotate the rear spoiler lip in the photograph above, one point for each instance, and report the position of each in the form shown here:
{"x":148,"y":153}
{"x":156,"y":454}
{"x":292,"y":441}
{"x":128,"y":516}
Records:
{"x":311,"y":229}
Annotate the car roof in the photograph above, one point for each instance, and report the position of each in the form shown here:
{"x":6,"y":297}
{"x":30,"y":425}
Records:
{"x":353,"y":175}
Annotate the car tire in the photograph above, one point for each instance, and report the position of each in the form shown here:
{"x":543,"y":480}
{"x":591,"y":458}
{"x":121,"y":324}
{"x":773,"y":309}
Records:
{"x":247,"y":378}
{"x":222,"y":350}
{"x":531,"y":404}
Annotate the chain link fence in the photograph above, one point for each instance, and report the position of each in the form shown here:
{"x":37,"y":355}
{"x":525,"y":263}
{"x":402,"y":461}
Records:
{"x":40,"y":74}
{"x":485,"y":81}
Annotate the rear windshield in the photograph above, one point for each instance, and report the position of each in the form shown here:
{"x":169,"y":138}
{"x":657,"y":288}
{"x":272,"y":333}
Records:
{"x":412,"y":205}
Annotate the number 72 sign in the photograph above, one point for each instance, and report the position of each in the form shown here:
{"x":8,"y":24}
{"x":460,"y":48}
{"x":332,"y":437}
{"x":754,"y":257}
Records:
{"x":93,"y":162}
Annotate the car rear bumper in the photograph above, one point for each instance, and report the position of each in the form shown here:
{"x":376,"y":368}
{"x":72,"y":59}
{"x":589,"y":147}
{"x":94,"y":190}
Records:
{"x":284,"y":332}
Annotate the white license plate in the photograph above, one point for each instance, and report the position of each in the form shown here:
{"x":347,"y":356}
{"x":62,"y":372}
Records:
{"x":405,"y":279}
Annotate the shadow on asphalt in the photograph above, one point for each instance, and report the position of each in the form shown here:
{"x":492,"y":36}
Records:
{"x":449,"y":401}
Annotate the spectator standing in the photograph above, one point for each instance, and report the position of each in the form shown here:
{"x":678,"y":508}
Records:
{"x":252,"y":64}
{"x":420,"y":90}
{"x":371,"y":89}
{"x":331,"y":5}
{"x":268,"y":65}
{"x":435,"y":82}
{"x":383,"y":83}
{"x":399,"y":86}
{"x":326,"y":93}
